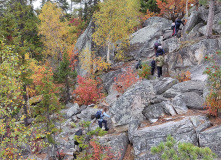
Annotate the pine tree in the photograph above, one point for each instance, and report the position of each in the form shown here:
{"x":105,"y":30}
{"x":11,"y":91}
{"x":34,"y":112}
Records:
{"x":63,"y":74}
{"x":151,"y":5}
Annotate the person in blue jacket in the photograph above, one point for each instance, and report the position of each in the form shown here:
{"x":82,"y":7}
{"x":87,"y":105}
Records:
{"x":101,"y":119}
{"x":160,"y":51}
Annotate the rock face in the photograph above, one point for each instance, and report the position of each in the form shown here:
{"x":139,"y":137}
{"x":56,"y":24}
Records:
{"x":117,"y":143}
{"x":211,"y":138}
{"x":186,"y":86}
{"x":193,"y":100}
{"x":183,"y":131}
{"x":74,"y":109}
{"x":142,"y":41}
{"x":131,"y":104}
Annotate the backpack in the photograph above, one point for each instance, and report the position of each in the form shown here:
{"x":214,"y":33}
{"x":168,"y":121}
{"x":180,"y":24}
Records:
{"x":160,"y":61}
{"x":98,"y":114}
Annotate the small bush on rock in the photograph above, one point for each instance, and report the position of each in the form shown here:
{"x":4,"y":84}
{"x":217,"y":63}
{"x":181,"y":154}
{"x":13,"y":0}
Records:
{"x":145,"y":71}
{"x":184,"y":76}
{"x":87,"y":91}
{"x":183,"y":151}
{"x":213,"y":100}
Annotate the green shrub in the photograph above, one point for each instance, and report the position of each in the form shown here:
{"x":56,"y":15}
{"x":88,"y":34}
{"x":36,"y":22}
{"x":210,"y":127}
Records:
{"x":145,"y":71}
{"x":170,"y":151}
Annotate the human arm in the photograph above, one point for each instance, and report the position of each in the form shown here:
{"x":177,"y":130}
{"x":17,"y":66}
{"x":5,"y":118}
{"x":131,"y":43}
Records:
{"x":105,"y":114}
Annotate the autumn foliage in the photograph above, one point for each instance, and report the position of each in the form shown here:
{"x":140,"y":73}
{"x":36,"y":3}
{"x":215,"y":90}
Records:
{"x":125,"y":80}
{"x":87,"y":91}
{"x":102,"y":152}
{"x":184,"y":76}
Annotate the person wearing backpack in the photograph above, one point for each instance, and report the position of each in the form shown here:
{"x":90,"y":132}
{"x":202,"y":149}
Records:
{"x":178,"y":22}
{"x":139,"y":65}
{"x":156,"y":44}
{"x":160,"y":51}
{"x":160,"y":63}
{"x":100,"y":116}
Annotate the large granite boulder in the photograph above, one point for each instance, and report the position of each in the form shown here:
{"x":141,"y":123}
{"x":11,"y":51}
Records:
{"x":117,"y":143}
{"x":193,"y":100}
{"x":164,"y":84}
{"x":186,"y":86}
{"x":179,"y":105}
{"x":189,"y":55}
{"x":192,"y":21}
{"x":211,"y":138}
{"x":131,"y":104}
{"x":183,"y":131}
{"x":141,"y":42}
{"x":86,"y":114}
{"x":73,"y":110}
{"x":154,"y":111}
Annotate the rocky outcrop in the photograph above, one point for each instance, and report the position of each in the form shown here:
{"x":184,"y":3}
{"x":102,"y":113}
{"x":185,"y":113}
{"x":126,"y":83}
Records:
{"x":117,"y":143}
{"x":193,"y":100}
{"x":183,"y":131}
{"x":131,"y":104}
{"x":211,"y":138}
{"x":141,"y":42}
{"x":186,"y":86}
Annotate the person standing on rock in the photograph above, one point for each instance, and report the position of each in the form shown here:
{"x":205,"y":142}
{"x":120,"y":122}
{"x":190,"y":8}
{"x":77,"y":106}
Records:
{"x":156,"y":44}
{"x":160,"y":62}
{"x":100,"y":116}
{"x":178,"y":22}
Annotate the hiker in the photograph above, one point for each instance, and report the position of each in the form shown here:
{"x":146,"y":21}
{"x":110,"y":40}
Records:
{"x":100,"y":116}
{"x":160,"y":51}
{"x":156,"y":44}
{"x":178,"y":22}
{"x":160,"y":62}
{"x":153,"y":64}
{"x":139,"y":65}
{"x":77,"y":149}
{"x":173,"y":28}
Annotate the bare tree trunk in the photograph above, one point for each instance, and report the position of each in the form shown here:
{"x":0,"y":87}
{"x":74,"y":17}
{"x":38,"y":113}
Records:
{"x":187,"y":13}
{"x":108,"y":52}
{"x":209,"y":26}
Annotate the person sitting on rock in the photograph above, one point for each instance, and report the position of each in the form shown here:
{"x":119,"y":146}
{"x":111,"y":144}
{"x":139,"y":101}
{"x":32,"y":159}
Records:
{"x":101,"y":118}
{"x":160,"y":51}
{"x":178,"y":22}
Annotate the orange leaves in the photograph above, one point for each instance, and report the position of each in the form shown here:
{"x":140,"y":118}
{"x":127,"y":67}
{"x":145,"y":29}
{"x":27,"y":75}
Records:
{"x":171,"y":8}
{"x":185,"y":76}
{"x":87,"y":91}
{"x":213,"y":103}
{"x":150,"y":14}
{"x":125,"y":80}
{"x":100,"y":64}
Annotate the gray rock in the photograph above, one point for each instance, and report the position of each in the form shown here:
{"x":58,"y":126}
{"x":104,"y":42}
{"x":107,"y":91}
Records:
{"x":202,"y":29}
{"x":117,"y":143}
{"x":73,"y":110}
{"x":168,"y":108}
{"x":192,"y":21}
{"x":86,"y":114}
{"x":133,"y":126}
{"x":171,"y":44}
{"x":194,"y":33}
{"x":145,"y":138}
{"x":131,"y":104}
{"x":186,"y":86}
{"x":211,"y":138}
{"x":112,"y":96}
{"x":141,"y":43}
{"x":154,"y":111}
{"x":193,"y":100}
{"x":179,"y":105}
{"x":164,"y":84}
{"x":216,"y":25}
{"x":200,"y":123}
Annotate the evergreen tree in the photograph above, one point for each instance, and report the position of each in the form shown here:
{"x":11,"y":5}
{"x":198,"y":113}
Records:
{"x":151,"y":5}
{"x":63,"y":74}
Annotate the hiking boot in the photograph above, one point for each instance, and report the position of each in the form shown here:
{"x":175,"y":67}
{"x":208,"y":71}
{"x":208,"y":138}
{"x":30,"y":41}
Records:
{"x":107,"y":129}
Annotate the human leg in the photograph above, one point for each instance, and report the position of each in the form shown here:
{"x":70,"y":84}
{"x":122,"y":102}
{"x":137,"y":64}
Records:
{"x":158,"y":72}
{"x":152,"y":71}
{"x":105,"y":124}
{"x":100,"y":124}
{"x":161,"y":72}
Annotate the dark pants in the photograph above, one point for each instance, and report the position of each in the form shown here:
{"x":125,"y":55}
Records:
{"x":152,"y":70}
{"x":105,"y":124}
{"x":159,"y":71}
{"x":177,"y":27}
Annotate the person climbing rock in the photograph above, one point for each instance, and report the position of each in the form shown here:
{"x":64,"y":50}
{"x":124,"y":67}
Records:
{"x":139,"y":65}
{"x":77,"y":149}
{"x":173,"y":28}
{"x":160,"y":51}
{"x":178,"y":22}
{"x":153,"y":65}
{"x":100,"y":116}
{"x":160,"y":63}
{"x":156,"y":44}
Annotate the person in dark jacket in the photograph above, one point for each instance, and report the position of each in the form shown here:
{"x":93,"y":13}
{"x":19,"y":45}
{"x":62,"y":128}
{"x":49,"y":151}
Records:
{"x":160,"y":51}
{"x":156,"y":44}
{"x":178,"y":22}
{"x":139,"y":65}
{"x":153,"y":65}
